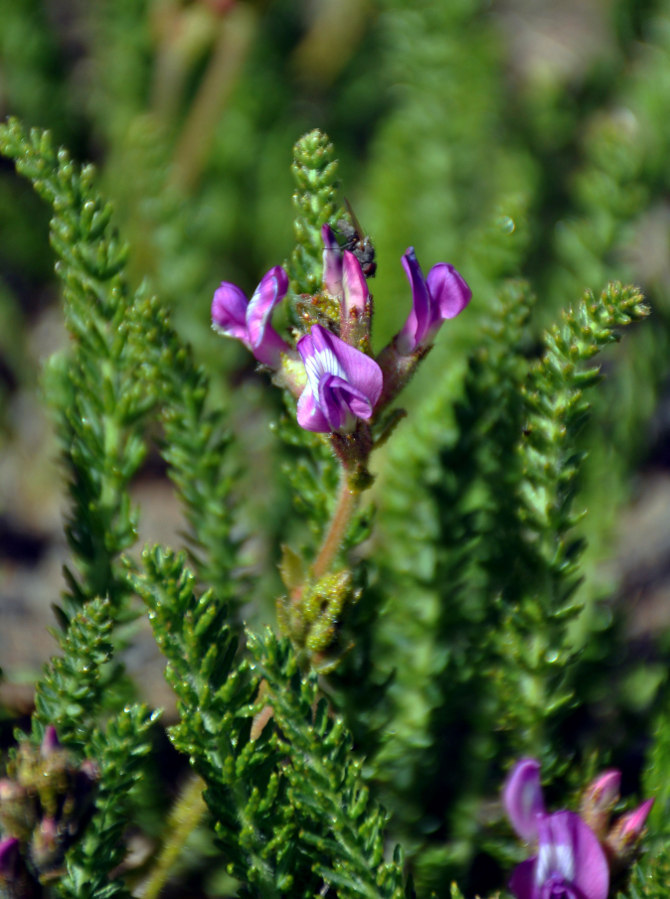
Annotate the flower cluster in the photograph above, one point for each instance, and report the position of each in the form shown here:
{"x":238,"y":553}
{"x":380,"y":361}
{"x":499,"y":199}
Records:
{"x":44,"y":805}
{"x":341,"y":384}
{"x":575,"y":852}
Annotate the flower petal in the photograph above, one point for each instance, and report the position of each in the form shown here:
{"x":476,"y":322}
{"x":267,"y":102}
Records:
{"x":342,"y":404}
{"x":356,"y":367}
{"x":332,"y":262}
{"x":229,"y":311}
{"x":310,"y":416}
{"x":522,"y":797}
{"x":265,"y":343}
{"x":318,"y":357}
{"x":449,"y":292}
{"x":569,"y":848}
{"x":419,"y":318}
{"x":355,"y":287}
{"x":522,"y":881}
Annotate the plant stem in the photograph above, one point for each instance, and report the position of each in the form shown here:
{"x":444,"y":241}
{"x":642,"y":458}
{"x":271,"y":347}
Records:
{"x":346,"y":505}
{"x":228,"y":57}
{"x":184,"y":818}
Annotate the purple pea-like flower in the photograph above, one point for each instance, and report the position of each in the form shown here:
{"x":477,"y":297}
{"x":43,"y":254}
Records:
{"x":343,"y":276}
{"x":343,"y":384}
{"x":249,"y":321}
{"x":443,"y":294}
{"x":570,"y":862}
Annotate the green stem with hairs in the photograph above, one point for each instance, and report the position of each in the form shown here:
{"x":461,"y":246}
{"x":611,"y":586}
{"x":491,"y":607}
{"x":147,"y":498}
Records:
{"x":185,"y":816}
{"x":346,"y":506}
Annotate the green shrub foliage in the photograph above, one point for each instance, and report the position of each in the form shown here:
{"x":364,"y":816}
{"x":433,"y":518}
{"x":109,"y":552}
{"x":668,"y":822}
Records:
{"x":365,"y":626}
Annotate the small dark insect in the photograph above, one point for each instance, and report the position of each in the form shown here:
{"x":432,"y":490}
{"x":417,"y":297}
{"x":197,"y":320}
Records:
{"x":358,"y":242}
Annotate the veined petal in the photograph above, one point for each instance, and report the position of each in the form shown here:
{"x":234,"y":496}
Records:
{"x":318,"y":357}
{"x":229,"y":310}
{"x":556,"y":856}
{"x":354,"y":285}
{"x":419,"y":318}
{"x":356,"y":367}
{"x":449,"y":291}
{"x":522,"y":797}
{"x":343,"y":384}
{"x":342,"y":404}
{"x":332,"y":262}
{"x":265,"y":343}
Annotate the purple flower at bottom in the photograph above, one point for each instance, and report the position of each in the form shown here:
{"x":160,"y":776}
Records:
{"x":249,"y":321}
{"x":570,"y":862}
{"x":343,"y":384}
{"x":441,"y":295}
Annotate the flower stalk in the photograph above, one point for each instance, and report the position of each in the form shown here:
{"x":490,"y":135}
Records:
{"x":347,"y":503}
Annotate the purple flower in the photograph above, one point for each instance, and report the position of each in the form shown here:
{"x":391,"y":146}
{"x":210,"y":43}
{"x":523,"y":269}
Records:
{"x":249,"y":321}
{"x":570,"y":862}
{"x":343,"y":384}
{"x":443,"y":294}
{"x":343,"y":276}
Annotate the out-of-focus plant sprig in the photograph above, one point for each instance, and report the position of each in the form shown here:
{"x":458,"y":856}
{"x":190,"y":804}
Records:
{"x":97,"y":398}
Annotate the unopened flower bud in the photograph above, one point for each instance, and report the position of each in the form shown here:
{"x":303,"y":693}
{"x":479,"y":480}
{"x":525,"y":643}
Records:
{"x":17,"y":809}
{"x":624,"y":838}
{"x":598,"y":800}
{"x":45,"y":847}
{"x":50,"y":742}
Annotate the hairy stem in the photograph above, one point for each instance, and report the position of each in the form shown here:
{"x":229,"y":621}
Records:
{"x":184,"y":818}
{"x":346,"y":506}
